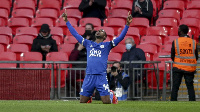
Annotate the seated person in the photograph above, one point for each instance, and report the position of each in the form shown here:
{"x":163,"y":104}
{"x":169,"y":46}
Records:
{"x":133,"y":54}
{"x":119,"y":81}
{"x":142,"y":8}
{"x":79,"y":53}
{"x":93,"y":8}
{"x":44,"y":43}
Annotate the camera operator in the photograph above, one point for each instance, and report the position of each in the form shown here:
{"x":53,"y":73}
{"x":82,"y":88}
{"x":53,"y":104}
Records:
{"x":119,"y":81}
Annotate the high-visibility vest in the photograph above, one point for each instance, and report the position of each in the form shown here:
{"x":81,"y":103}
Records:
{"x":185,"y":58}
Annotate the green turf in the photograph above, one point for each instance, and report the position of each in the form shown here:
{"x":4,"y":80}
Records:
{"x":97,"y":106}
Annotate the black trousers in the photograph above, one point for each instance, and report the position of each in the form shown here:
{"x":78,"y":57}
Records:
{"x":177,"y":78}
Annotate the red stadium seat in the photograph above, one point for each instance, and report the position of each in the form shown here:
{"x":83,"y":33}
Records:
{"x":168,"y":23}
{"x":95,"y":21}
{"x":141,"y":23}
{"x":2,"y":22}
{"x":37,"y":22}
{"x":70,"y":40}
{"x":114,"y":56}
{"x":57,"y":31}
{"x":5,"y":40}
{"x":23,"y":13}
{"x":193,"y":5}
{"x":185,"y":2}
{"x":8,"y":56}
{"x":71,"y":4}
{"x":47,"y":13}
{"x":18,"y":49}
{"x":177,"y":5}
{"x":109,"y":30}
{"x":155,"y":40}
{"x":120,"y":48}
{"x":23,"y":0}
{"x":27,"y":31}
{"x":80,"y":30}
{"x":24,"y":39}
{"x":24,"y":4}
{"x":6,"y":31}
{"x":191,"y":14}
{"x":170,"y":13}
{"x":148,"y":48}
{"x":62,"y":24}
{"x":193,"y":23}
{"x":157,"y":31}
{"x":118,"y":13}
{"x":67,"y":48}
{"x":58,"y":56}
{"x":170,"y":39}
{"x":4,"y":15}
{"x":125,"y":4}
{"x":2,"y":48}
{"x":107,"y":39}
{"x":5,"y":5}
{"x":133,"y":32}
{"x":166,"y":48}
{"x":72,"y":13}
{"x":31,"y":56}
{"x":152,"y":82}
{"x":115,"y":23}
{"x":50,"y":4}
{"x":57,"y":39}
{"x":15,"y":23}
{"x":148,"y":57}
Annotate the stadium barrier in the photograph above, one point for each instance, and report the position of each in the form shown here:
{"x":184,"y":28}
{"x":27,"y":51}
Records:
{"x":146,"y":85}
{"x":26,"y":83}
{"x":182,"y":94}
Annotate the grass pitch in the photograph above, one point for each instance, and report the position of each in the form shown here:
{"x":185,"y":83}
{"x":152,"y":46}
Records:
{"x":97,"y":106}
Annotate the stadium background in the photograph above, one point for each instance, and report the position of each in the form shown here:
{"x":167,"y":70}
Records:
{"x":20,"y":21}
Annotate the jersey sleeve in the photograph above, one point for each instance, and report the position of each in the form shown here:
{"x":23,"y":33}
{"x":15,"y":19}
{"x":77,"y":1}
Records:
{"x":78,"y":37}
{"x":116,"y":41}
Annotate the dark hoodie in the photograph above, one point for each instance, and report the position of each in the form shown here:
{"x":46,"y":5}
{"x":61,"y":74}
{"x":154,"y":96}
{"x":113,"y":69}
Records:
{"x":146,"y":8}
{"x":37,"y":42}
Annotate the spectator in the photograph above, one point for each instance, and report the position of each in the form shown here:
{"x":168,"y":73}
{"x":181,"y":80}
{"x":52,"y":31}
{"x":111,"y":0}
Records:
{"x":184,"y":54}
{"x":93,"y":8}
{"x":119,"y":81}
{"x":79,"y":53}
{"x":142,"y":8}
{"x":133,"y":54}
{"x":44,"y":42}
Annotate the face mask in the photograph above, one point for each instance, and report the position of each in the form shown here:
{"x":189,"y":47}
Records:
{"x":128,"y":46}
{"x":88,"y":32}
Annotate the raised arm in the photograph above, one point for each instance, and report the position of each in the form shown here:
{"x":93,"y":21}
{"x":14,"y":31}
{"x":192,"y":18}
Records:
{"x":78,"y":37}
{"x":123,"y":33}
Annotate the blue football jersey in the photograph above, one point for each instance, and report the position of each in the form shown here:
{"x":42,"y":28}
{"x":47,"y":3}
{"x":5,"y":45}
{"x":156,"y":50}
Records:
{"x":97,"y":53}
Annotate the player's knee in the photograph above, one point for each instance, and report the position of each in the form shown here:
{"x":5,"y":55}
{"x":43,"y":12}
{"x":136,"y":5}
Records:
{"x":106,"y":100}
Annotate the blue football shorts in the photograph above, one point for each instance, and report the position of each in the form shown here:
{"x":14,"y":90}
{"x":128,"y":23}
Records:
{"x":98,"y":81}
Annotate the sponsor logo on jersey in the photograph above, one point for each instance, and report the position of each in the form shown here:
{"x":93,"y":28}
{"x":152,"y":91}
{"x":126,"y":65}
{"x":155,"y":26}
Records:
{"x":95,"y":53}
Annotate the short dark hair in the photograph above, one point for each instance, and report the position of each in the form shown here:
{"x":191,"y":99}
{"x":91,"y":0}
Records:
{"x":117,"y":62}
{"x":90,"y":25}
{"x":184,"y":28}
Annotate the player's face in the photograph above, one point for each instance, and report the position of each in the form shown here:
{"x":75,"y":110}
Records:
{"x":101,"y":34}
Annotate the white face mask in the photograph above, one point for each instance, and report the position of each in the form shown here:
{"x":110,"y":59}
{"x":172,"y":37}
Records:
{"x":128,"y":46}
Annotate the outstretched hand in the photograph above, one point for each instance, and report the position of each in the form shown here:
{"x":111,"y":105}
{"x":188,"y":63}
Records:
{"x":64,"y":15}
{"x":129,"y":19}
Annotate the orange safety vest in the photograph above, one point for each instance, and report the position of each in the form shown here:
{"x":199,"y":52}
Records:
{"x":185,"y":58}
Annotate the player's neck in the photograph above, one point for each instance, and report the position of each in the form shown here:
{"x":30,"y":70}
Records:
{"x":98,"y":40}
